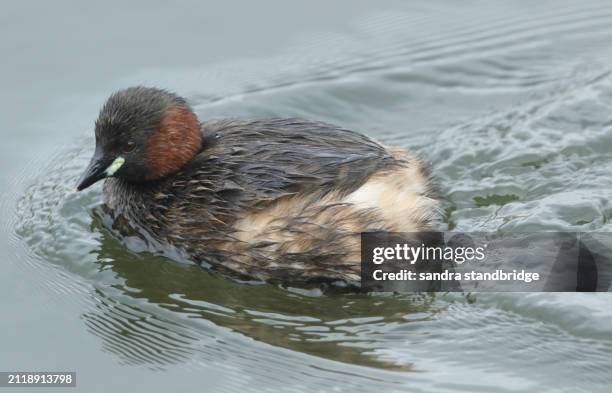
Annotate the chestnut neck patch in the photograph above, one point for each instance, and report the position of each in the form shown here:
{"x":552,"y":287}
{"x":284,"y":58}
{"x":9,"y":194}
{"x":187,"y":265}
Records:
{"x":176,"y":141}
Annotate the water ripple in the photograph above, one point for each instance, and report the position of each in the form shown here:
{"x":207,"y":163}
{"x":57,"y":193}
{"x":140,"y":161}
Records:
{"x":518,"y":133}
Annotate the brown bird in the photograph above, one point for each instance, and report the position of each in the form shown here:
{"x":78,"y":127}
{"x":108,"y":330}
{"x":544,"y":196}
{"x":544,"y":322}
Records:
{"x":280,"y":200}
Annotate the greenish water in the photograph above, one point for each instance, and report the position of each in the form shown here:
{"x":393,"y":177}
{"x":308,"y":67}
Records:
{"x":510,"y":102}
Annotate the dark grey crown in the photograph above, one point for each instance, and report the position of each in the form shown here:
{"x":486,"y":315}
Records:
{"x":134,"y":109}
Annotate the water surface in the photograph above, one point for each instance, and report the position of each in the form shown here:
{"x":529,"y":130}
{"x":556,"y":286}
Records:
{"x":510,"y":103}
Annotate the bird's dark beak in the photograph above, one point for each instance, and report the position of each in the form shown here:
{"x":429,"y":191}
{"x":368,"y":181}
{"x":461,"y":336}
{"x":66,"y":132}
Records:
{"x":96,"y":171}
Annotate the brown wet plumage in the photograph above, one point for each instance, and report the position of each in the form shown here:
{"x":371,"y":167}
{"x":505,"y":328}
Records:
{"x":281,"y":200}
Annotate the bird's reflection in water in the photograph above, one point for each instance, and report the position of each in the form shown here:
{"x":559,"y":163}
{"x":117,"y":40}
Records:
{"x":153,"y":311}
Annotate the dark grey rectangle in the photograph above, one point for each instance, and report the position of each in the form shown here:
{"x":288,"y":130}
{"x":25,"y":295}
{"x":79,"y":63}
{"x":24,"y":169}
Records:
{"x":50,"y":379}
{"x":486,"y":262}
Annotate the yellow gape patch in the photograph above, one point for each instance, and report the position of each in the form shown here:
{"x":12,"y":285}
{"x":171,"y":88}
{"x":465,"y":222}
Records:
{"x":114,"y":167}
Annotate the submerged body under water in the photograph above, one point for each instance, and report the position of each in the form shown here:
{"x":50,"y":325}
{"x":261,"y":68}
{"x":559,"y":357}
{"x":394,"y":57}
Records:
{"x":510,"y":104}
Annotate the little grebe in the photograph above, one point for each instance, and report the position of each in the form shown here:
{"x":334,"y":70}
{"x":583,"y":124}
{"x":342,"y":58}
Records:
{"x":281,"y":200}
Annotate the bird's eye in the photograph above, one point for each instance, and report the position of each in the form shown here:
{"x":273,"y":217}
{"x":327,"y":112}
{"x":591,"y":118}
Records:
{"x":129,"y":147}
